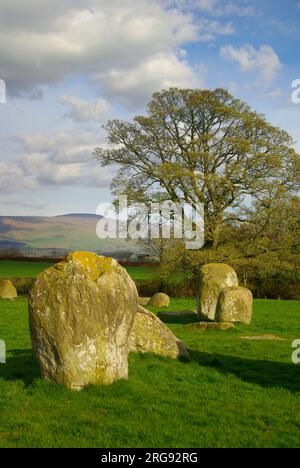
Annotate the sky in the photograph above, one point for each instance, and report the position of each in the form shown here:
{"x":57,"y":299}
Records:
{"x":69,"y":66}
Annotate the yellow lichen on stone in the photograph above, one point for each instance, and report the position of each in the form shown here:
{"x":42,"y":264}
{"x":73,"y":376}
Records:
{"x":92,"y":264}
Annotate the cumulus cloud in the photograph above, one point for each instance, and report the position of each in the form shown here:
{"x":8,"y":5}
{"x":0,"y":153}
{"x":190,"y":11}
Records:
{"x":159,"y":71}
{"x":12,"y":178}
{"x":81,"y":110}
{"x":264,"y":60}
{"x":63,"y":147}
{"x":86,"y":37}
{"x":50,"y":161}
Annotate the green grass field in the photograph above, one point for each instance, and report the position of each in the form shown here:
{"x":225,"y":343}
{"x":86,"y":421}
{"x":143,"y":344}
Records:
{"x":10,"y":268}
{"x":232,"y":392}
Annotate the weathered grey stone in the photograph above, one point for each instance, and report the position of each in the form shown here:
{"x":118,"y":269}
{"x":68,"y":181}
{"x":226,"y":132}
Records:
{"x":81,"y":313}
{"x":214,"y":277}
{"x":7,"y":290}
{"x":151,"y":335}
{"x":159,"y":300}
{"x":235,"y":305}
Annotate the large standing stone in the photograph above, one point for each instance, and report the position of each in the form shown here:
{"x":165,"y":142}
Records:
{"x":150,"y":335}
{"x":7,"y":290}
{"x":159,"y":300}
{"x":235,"y":305}
{"x":213,"y":278}
{"x":81,"y":313}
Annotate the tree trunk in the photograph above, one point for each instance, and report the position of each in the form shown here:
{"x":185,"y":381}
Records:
{"x":216,"y":233}
{"x":197,"y":295}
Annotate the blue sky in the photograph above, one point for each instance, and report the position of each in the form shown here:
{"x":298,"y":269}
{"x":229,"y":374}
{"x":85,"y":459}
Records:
{"x":71,"y":65}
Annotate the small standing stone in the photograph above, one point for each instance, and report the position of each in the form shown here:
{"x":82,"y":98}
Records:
{"x":159,"y":300}
{"x":235,"y":305}
{"x":7,"y":290}
{"x":213,"y":278}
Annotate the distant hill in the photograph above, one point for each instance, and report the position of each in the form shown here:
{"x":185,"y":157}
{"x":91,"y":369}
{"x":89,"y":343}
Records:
{"x":79,"y":215}
{"x":54,"y":236}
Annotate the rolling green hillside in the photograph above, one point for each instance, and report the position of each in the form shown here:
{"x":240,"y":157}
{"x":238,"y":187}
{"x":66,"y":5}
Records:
{"x":45,"y":235}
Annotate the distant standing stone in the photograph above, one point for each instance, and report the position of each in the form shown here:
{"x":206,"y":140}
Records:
{"x":81,"y":313}
{"x":214,"y":277}
{"x":7,"y":290}
{"x":235,"y":305}
{"x":150,"y":335}
{"x":159,"y":300}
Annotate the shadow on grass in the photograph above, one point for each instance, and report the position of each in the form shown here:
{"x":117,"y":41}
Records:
{"x":263,"y":373}
{"x":20,"y":365}
{"x":178,"y":318}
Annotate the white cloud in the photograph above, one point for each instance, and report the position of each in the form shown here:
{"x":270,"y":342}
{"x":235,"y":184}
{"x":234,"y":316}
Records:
{"x":86,"y":37}
{"x":264,"y":60}
{"x":63,"y":147}
{"x":12,"y":178}
{"x":208,"y":30}
{"x":81,"y":110}
{"x":50,"y":161}
{"x":159,"y":71}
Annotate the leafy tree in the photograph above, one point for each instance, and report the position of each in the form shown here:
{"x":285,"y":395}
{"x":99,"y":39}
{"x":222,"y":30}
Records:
{"x":207,"y":147}
{"x":201,"y":146}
